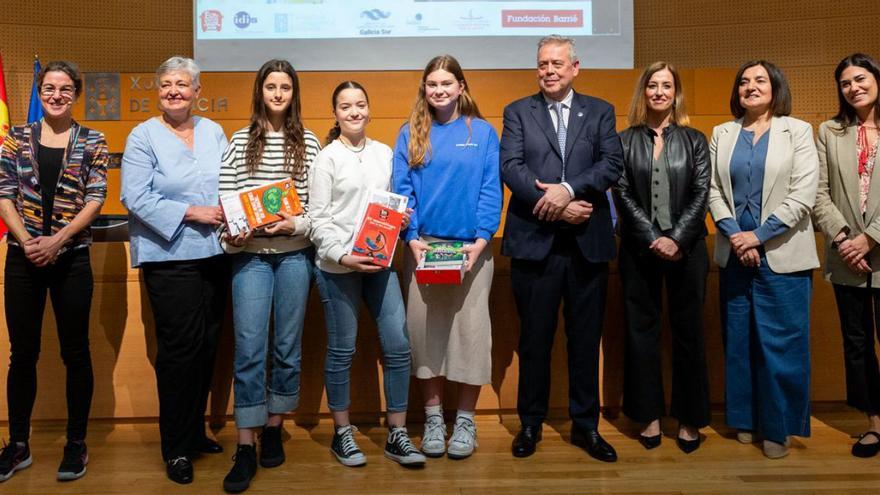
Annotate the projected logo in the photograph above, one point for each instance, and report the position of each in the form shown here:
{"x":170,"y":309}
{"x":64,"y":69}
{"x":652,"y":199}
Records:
{"x":375,"y":14}
{"x":376,"y":24}
{"x":542,"y":18}
{"x":243,"y":19}
{"x":282,"y":24}
{"x":471,"y":22}
{"x":211,"y":20}
{"x":417,"y":23}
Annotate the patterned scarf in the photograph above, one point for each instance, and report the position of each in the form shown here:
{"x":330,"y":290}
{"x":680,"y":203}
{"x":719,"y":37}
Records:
{"x":866,"y":151}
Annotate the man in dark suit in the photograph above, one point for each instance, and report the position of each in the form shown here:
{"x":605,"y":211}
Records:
{"x":560,"y":153}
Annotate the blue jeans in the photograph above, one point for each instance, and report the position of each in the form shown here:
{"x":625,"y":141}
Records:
{"x":765,"y":318}
{"x":341,"y":295}
{"x":257,"y":281}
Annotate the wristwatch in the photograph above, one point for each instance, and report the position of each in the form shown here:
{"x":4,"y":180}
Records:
{"x":835,"y":243}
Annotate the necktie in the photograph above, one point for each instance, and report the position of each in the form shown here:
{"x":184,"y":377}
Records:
{"x":560,"y":133}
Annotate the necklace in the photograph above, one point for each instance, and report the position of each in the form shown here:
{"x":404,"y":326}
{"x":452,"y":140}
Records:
{"x":185,"y":136}
{"x":356,"y":151}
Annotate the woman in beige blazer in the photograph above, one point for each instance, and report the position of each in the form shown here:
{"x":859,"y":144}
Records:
{"x":764,"y":176}
{"x":848,"y":213}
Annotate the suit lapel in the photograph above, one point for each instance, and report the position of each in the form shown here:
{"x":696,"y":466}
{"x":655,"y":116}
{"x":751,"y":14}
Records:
{"x":778,"y":148}
{"x":542,"y":117}
{"x":726,"y":141}
{"x":848,"y":168}
{"x":575,"y":123}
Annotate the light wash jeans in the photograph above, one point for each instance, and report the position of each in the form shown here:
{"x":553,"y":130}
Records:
{"x":341,"y":295}
{"x":257,"y":281}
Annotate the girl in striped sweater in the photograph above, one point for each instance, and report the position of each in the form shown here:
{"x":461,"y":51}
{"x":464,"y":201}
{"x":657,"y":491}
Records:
{"x":273,"y":268}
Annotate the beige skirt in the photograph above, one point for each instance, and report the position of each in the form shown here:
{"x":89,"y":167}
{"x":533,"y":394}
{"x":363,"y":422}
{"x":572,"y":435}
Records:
{"x":449,"y":326}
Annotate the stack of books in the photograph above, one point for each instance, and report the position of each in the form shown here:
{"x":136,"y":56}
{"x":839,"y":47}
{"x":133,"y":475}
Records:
{"x":443,"y":263}
{"x":255,"y":207}
{"x":380,"y":227}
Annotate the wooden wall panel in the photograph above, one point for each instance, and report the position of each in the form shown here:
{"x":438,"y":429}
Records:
{"x":706,"y":39}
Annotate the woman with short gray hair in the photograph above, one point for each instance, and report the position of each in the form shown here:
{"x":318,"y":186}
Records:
{"x":170,"y":183}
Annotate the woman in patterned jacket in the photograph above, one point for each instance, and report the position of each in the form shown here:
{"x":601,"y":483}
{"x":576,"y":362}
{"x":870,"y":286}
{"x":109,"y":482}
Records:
{"x":53,"y":181}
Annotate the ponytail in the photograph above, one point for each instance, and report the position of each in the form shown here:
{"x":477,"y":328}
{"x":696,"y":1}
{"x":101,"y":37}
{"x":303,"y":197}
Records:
{"x":333,"y":134}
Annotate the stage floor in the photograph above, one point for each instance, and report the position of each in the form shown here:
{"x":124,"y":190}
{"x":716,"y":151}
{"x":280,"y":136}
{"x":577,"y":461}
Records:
{"x":124,"y":459}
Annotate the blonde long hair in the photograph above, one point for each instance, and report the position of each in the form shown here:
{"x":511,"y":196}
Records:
{"x":422,"y":114}
{"x":638,"y":109}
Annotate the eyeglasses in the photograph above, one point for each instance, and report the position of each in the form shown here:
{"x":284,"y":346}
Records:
{"x":49,"y":90}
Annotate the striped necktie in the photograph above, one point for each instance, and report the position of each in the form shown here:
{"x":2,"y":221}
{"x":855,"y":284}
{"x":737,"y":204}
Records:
{"x":560,"y":133}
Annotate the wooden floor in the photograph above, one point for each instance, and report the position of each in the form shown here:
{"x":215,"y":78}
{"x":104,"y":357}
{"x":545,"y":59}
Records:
{"x":125,"y":460}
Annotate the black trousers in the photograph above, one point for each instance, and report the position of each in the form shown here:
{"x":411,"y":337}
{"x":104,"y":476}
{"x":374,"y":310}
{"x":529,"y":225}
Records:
{"x":69,"y":283}
{"x":859,"y":311}
{"x":643,"y":275}
{"x":188,"y":299}
{"x":566,"y":277}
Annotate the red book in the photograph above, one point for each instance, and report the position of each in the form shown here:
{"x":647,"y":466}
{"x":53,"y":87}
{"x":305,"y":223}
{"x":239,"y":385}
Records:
{"x":378,"y":234}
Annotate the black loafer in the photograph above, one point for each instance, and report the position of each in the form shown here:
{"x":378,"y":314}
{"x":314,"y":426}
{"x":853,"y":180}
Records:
{"x":688,"y":446}
{"x":208,"y":446}
{"x":650,"y":442}
{"x":179,"y":470}
{"x":526,"y":441}
{"x":594,"y":444}
{"x":866,"y":449}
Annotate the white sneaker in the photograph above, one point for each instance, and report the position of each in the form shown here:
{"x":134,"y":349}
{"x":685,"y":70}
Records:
{"x":434,"y":438}
{"x":464,"y":438}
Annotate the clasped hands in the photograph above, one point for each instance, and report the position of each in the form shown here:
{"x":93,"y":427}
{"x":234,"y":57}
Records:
{"x":853,"y":251}
{"x":666,"y":248}
{"x":557,"y":204}
{"x":43,"y":250}
{"x":745,"y":245}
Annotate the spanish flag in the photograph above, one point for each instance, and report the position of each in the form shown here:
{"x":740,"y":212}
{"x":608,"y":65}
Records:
{"x":4,"y":105}
{"x":4,"y":123}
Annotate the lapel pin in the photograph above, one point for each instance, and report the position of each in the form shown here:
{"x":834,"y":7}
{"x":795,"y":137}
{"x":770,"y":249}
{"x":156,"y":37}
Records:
{"x":580,"y":114}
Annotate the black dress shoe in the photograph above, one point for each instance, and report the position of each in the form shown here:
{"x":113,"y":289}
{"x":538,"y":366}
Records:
{"x":208,"y":446}
{"x":688,"y":446}
{"x":526,"y":441}
{"x":179,"y":470}
{"x":594,"y":444}
{"x":650,"y":442}
{"x":866,"y":449}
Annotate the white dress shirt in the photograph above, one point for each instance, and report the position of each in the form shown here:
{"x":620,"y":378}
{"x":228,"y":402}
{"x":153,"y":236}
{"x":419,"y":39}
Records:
{"x":566,"y":111}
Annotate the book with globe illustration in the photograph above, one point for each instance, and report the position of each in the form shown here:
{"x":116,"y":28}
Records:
{"x":380,"y":227}
{"x":255,"y":207}
{"x":443,"y":263}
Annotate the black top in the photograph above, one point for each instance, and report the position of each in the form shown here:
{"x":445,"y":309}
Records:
{"x":51,"y":161}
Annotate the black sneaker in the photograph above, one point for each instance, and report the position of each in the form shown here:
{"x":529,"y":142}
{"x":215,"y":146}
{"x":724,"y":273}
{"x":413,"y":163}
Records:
{"x":399,"y":448}
{"x":243,"y":471}
{"x":73,"y":465}
{"x":345,"y":448}
{"x":14,"y":457}
{"x":271,"y":450}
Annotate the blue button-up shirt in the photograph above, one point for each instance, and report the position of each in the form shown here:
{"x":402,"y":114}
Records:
{"x":161,"y":178}
{"x":747,"y":178}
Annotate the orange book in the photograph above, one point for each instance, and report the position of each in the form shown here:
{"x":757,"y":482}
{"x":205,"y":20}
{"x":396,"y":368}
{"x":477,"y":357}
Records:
{"x":255,"y":207}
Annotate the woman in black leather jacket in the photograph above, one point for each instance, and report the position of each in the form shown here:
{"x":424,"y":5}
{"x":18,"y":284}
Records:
{"x":661,"y":200}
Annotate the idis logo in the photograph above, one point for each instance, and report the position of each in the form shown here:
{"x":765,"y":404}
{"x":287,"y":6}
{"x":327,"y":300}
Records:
{"x":375,"y":14}
{"x":243,"y":19}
